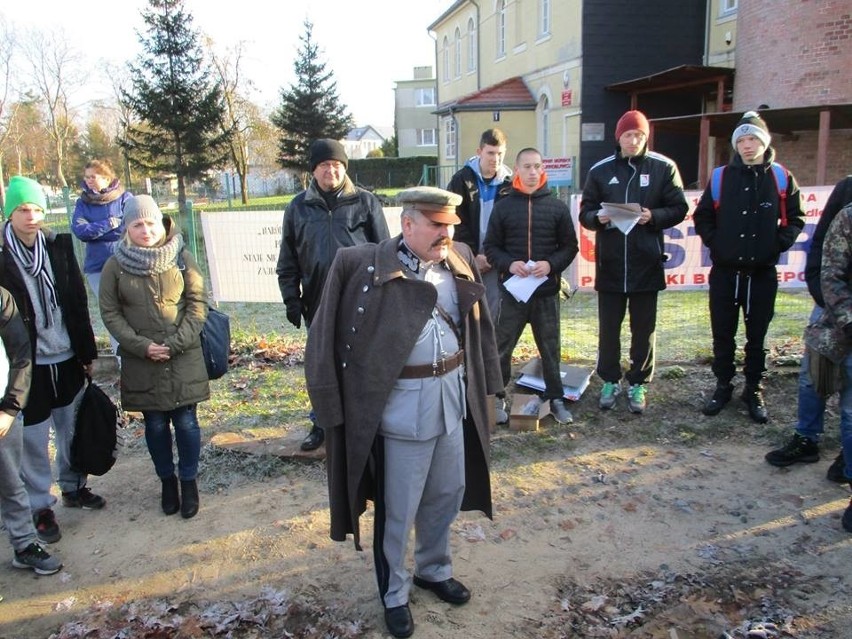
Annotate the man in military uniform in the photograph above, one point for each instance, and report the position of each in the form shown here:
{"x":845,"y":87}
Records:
{"x":399,"y":361}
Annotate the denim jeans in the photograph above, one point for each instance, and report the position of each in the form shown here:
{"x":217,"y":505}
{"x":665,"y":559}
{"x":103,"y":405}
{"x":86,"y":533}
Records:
{"x":158,"y":436}
{"x":846,"y":417}
{"x":811,"y":406}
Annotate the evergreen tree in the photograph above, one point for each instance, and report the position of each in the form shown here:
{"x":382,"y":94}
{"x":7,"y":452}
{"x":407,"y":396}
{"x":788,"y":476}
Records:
{"x":175,"y":102}
{"x":310,"y":109}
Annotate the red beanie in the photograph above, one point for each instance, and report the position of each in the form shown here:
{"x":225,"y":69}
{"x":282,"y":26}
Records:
{"x":632,"y":120}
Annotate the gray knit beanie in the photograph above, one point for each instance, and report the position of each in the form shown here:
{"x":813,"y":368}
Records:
{"x":141,"y":207}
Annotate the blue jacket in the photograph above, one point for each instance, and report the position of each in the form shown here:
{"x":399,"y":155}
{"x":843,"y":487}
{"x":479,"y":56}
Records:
{"x":93,"y":224}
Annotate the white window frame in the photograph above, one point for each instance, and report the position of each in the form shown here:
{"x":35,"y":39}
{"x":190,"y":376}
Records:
{"x":471,"y":46}
{"x":424,"y":97}
{"x":446,"y":59}
{"x":544,"y":18}
{"x":727,"y":7}
{"x":450,"y":141}
{"x":501,"y":28}
{"x":457,"y":53}
{"x":544,"y":114}
{"x":427,"y":137}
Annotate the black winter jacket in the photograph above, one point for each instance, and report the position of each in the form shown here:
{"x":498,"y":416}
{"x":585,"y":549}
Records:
{"x":312,"y":233}
{"x":70,"y":293}
{"x":632,"y":263}
{"x":746,"y":232}
{"x":840,"y":196}
{"x":466,"y":183}
{"x":533,"y":227}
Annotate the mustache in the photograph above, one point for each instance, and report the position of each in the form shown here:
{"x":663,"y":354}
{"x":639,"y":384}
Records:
{"x":444,"y":241}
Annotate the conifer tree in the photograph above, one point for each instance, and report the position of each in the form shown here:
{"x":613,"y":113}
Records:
{"x":175,"y":101}
{"x":310,"y":109}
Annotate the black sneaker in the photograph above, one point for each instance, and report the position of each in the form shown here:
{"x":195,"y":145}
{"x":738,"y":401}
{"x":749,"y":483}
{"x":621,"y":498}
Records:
{"x":798,"y":450}
{"x":721,"y":396}
{"x":47,"y":530}
{"x":847,"y":518}
{"x":34,"y":557}
{"x":83,"y":498}
{"x":753,"y":398}
{"x":836,"y":470}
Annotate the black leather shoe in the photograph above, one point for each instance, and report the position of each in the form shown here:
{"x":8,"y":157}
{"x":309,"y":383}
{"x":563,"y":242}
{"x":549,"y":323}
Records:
{"x":721,"y":396}
{"x":314,"y":439}
{"x":449,"y":590}
{"x":399,"y":621}
{"x":753,"y":397}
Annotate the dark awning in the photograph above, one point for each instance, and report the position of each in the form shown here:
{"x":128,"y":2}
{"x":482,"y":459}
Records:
{"x":686,"y":77}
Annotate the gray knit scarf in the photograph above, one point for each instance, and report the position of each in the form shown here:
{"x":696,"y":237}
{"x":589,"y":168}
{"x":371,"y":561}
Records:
{"x":144,"y":260}
{"x":34,"y":262}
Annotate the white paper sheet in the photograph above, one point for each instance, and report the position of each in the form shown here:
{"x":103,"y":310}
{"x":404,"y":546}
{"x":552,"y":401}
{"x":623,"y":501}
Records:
{"x":623,"y":216}
{"x":522,"y":288}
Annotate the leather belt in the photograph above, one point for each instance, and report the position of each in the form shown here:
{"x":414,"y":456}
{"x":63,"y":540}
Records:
{"x":439,"y":368}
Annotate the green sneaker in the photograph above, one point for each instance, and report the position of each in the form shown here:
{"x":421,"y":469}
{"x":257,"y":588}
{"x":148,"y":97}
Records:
{"x":609,"y":393}
{"x":636,"y":398}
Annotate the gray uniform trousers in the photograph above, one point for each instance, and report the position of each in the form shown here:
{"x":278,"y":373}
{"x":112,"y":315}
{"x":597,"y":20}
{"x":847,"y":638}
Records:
{"x":14,"y":502}
{"x":428,"y":500}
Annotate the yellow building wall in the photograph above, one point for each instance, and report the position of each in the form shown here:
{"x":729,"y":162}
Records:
{"x":548,"y":61}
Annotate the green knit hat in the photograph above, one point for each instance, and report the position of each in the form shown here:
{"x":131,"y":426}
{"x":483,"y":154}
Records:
{"x":23,"y":190}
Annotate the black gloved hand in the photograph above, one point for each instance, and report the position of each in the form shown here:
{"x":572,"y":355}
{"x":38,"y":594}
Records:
{"x":294,"y":313}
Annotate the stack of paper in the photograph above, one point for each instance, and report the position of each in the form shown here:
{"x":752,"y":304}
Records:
{"x":623,"y":216}
{"x":575,"y":379}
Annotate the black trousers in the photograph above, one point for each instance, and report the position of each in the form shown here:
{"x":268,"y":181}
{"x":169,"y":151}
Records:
{"x":542,"y":314}
{"x":751,"y":292}
{"x":643,"y":337}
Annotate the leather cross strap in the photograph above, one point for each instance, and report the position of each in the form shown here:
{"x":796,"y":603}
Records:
{"x":439,"y":368}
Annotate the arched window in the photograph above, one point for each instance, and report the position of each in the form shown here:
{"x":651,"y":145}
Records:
{"x":446,"y":56}
{"x":544,"y":115}
{"x":471,"y":45}
{"x":457,"y":54}
{"x":501,"y":28}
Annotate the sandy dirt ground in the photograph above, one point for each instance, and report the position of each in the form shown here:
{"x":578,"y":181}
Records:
{"x":593,"y":536}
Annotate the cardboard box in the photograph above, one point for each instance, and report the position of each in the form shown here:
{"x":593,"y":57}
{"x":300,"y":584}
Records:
{"x":520,"y":415}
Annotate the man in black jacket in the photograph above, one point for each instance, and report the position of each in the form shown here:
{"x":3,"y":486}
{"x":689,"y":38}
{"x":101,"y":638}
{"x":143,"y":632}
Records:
{"x":531,"y":234}
{"x":746,"y":234}
{"x":629,"y":265}
{"x":481,"y":182}
{"x":803,"y":446}
{"x":331,"y":213}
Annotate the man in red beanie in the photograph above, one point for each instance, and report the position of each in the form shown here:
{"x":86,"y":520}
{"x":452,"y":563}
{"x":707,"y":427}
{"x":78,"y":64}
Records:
{"x":629,"y":264}
{"x":331,"y":213}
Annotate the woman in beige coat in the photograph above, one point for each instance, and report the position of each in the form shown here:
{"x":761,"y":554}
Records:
{"x":153,"y":301}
